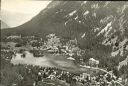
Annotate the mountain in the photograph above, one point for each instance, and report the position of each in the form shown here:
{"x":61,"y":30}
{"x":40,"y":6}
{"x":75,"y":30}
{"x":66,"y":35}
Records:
{"x":13,"y":18}
{"x":45,"y":21}
{"x":3,"y":25}
{"x":101,"y":27}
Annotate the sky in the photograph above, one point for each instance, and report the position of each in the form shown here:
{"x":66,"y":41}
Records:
{"x":17,"y":12}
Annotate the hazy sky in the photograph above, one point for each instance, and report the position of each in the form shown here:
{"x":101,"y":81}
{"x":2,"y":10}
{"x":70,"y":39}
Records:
{"x":17,"y":12}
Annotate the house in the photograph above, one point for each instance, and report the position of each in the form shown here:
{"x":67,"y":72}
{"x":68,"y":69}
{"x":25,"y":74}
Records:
{"x":93,"y":62}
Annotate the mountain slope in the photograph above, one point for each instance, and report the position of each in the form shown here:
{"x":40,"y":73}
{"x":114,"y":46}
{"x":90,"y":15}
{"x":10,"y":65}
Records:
{"x":3,"y":25}
{"x":46,"y":21}
{"x":100,"y":27}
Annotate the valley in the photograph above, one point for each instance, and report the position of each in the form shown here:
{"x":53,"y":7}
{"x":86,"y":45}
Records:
{"x":69,"y":43}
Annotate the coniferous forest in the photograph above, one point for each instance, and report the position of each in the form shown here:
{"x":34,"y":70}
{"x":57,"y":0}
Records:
{"x":69,"y":43}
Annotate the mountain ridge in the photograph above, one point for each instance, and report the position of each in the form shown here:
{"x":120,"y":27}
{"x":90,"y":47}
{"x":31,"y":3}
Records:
{"x":95,"y":24}
{"x":3,"y":25}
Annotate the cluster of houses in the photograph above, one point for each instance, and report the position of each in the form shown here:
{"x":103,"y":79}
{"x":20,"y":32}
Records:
{"x":14,"y":37}
{"x":93,"y":62}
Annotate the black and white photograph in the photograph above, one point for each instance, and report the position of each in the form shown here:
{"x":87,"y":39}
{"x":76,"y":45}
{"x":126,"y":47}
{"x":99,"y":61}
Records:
{"x":63,"y":43}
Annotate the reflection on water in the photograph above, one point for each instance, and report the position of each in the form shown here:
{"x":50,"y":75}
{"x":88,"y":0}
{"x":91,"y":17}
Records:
{"x":29,"y":59}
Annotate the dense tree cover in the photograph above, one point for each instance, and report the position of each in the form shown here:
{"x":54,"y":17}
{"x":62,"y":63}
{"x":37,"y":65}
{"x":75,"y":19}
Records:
{"x":99,"y":27}
{"x":71,"y":49}
{"x":95,"y":29}
{"x":28,"y":75}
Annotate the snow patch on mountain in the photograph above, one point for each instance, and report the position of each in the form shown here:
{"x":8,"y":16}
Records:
{"x":72,"y":13}
{"x":84,"y":2}
{"x":76,"y":18}
{"x":120,"y":49}
{"x":126,"y":47}
{"x":123,"y":63}
{"x":112,"y":41}
{"x":114,"y":53}
{"x":86,"y":12}
{"x":107,"y":28}
{"x":107,"y":19}
{"x":83,"y":35}
{"x":94,"y":14}
{"x":95,"y":6}
{"x":96,"y":29}
{"x":79,"y":21}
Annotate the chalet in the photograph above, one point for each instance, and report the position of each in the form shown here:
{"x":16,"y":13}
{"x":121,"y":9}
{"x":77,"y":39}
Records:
{"x":14,"y":37}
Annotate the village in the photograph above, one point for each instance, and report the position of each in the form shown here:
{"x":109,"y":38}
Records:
{"x":19,"y":50}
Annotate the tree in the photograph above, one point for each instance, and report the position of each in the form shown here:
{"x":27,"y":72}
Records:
{"x":53,"y":43}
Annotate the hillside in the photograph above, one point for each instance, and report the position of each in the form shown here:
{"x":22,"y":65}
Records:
{"x":94,"y":29}
{"x":102,"y":22}
{"x":3,"y":25}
